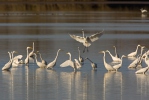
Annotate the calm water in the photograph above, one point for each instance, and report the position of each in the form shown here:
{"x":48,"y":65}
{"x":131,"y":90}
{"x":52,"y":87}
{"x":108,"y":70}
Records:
{"x":50,"y":31}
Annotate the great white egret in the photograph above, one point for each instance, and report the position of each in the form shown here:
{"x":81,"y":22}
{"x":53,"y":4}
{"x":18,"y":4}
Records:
{"x":143,"y":10}
{"x":27,"y":56}
{"x":81,"y":60}
{"x":75,"y":65}
{"x":39,"y":64}
{"x":43,"y":61}
{"x":142,"y":70}
{"x":133,"y":54}
{"x":88,"y":39}
{"x":53,"y":63}
{"x":115,"y":59}
{"x":94,"y":65}
{"x":16,"y":60}
{"x":8,"y":65}
{"x":117,"y":66}
{"x":107,"y":66}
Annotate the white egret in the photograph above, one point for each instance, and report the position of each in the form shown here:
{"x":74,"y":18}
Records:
{"x":143,"y":10}
{"x":94,"y":65}
{"x":39,"y":64}
{"x":16,"y":60}
{"x":142,"y":70}
{"x":69,"y":62}
{"x":88,"y":39}
{"x":77,"y":64}
{"x":116,"y":55}
{"x":53,"y":63}
{"x":133,"y":54}
{"x":117,"y":66}
{"x":31,"y":54}
{"x":27,"y":56}
{"x":43,"y":61}
{"x":115,"y":59}
{"x":81,"y":60}
{"x":8,"y":65}
{"x":107,"y":66}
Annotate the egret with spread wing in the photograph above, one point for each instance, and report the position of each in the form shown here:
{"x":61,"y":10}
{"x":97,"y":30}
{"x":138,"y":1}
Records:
{"x":88,"y":39}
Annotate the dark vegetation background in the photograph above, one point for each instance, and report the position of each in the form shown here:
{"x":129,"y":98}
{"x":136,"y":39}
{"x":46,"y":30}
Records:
{"x":72,"y":5}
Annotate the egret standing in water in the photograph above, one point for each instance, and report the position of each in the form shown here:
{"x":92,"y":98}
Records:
{"x":81,"y":60}
{"x":87,"y":40}
{"x":133,"y":54}
{"x":53,"y":63}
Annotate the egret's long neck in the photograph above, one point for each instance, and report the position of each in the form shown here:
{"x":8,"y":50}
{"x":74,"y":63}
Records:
{"x":27,"y":52}
{"x":83,"y":33}
{"x":69,"y":56}
{"x":10,"y":57}
{"x":136,"y":49}
{"x":57,"y":55}
{"x":79,"y":51}
{"x":115,"y":51}
{"x":104,"y":58}
{"x":110,"y":54}
{"x":141,"y":51}
{"x":33,"y":46}
{"x":89,"y":60}
{"x":36,"y":58}
{"x":40,"y":56}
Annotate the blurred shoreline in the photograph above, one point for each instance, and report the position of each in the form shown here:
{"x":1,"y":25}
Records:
{"x":37,"y":6}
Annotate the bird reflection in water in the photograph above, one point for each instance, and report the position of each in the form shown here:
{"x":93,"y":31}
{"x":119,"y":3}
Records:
{"x":112,"y":84}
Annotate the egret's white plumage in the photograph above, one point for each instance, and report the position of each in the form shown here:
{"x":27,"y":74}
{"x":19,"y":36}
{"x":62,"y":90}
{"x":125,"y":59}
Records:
{"x":143,"y":10}
{"x":115,"y":59}
{"x":43,"y":61}
{"x":8,"y":65}
{"x":142,"y":70}
{"x":117,"y":66}
{"x":39,"y":64}
{"x":70,"y":63}
{"x":133,"y":54}
{"x":94,"y":65}
{"x":16,"y":60}
{"x":31,"y":54}
{"x":107,"y":66}
{"x":116,"y":55}
{"x":88,"y":39}
{"x":53,"y":63}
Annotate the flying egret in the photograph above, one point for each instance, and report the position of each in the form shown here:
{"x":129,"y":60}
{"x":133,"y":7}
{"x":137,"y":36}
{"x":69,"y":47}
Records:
{"x":107,"y":66}
{"x":8,"y":65}
{"x":43,"y":61}
{"x":87,"y":40}
{"x":94,"y":65}
{"x":81,"y":60}
{"x":143,"y":10}
{"x":133,"y":54}
{"x":53,"y":63}
{"x":75,"y":65}
{"x":115,"y":59}
{"x":39,"y":64}
{"x":117,"y":66}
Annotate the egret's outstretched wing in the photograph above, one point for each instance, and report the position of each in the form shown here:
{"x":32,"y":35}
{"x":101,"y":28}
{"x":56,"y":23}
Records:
{"x":66,"y":63}
{"x":96,"y":36}
{"x":18,"y":57}
{"x":77,"y":38}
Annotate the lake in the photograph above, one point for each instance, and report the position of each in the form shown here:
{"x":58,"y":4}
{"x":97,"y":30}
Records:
{"x":50,"y":31}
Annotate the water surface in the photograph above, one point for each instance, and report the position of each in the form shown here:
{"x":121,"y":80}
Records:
{"x":50,"y":32}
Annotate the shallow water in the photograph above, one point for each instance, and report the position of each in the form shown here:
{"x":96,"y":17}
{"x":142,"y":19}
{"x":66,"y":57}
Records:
{"x":50,"y":31}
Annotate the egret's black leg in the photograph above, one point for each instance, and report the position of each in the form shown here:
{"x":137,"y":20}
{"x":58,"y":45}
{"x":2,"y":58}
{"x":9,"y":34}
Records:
{"x":84,"y":49}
